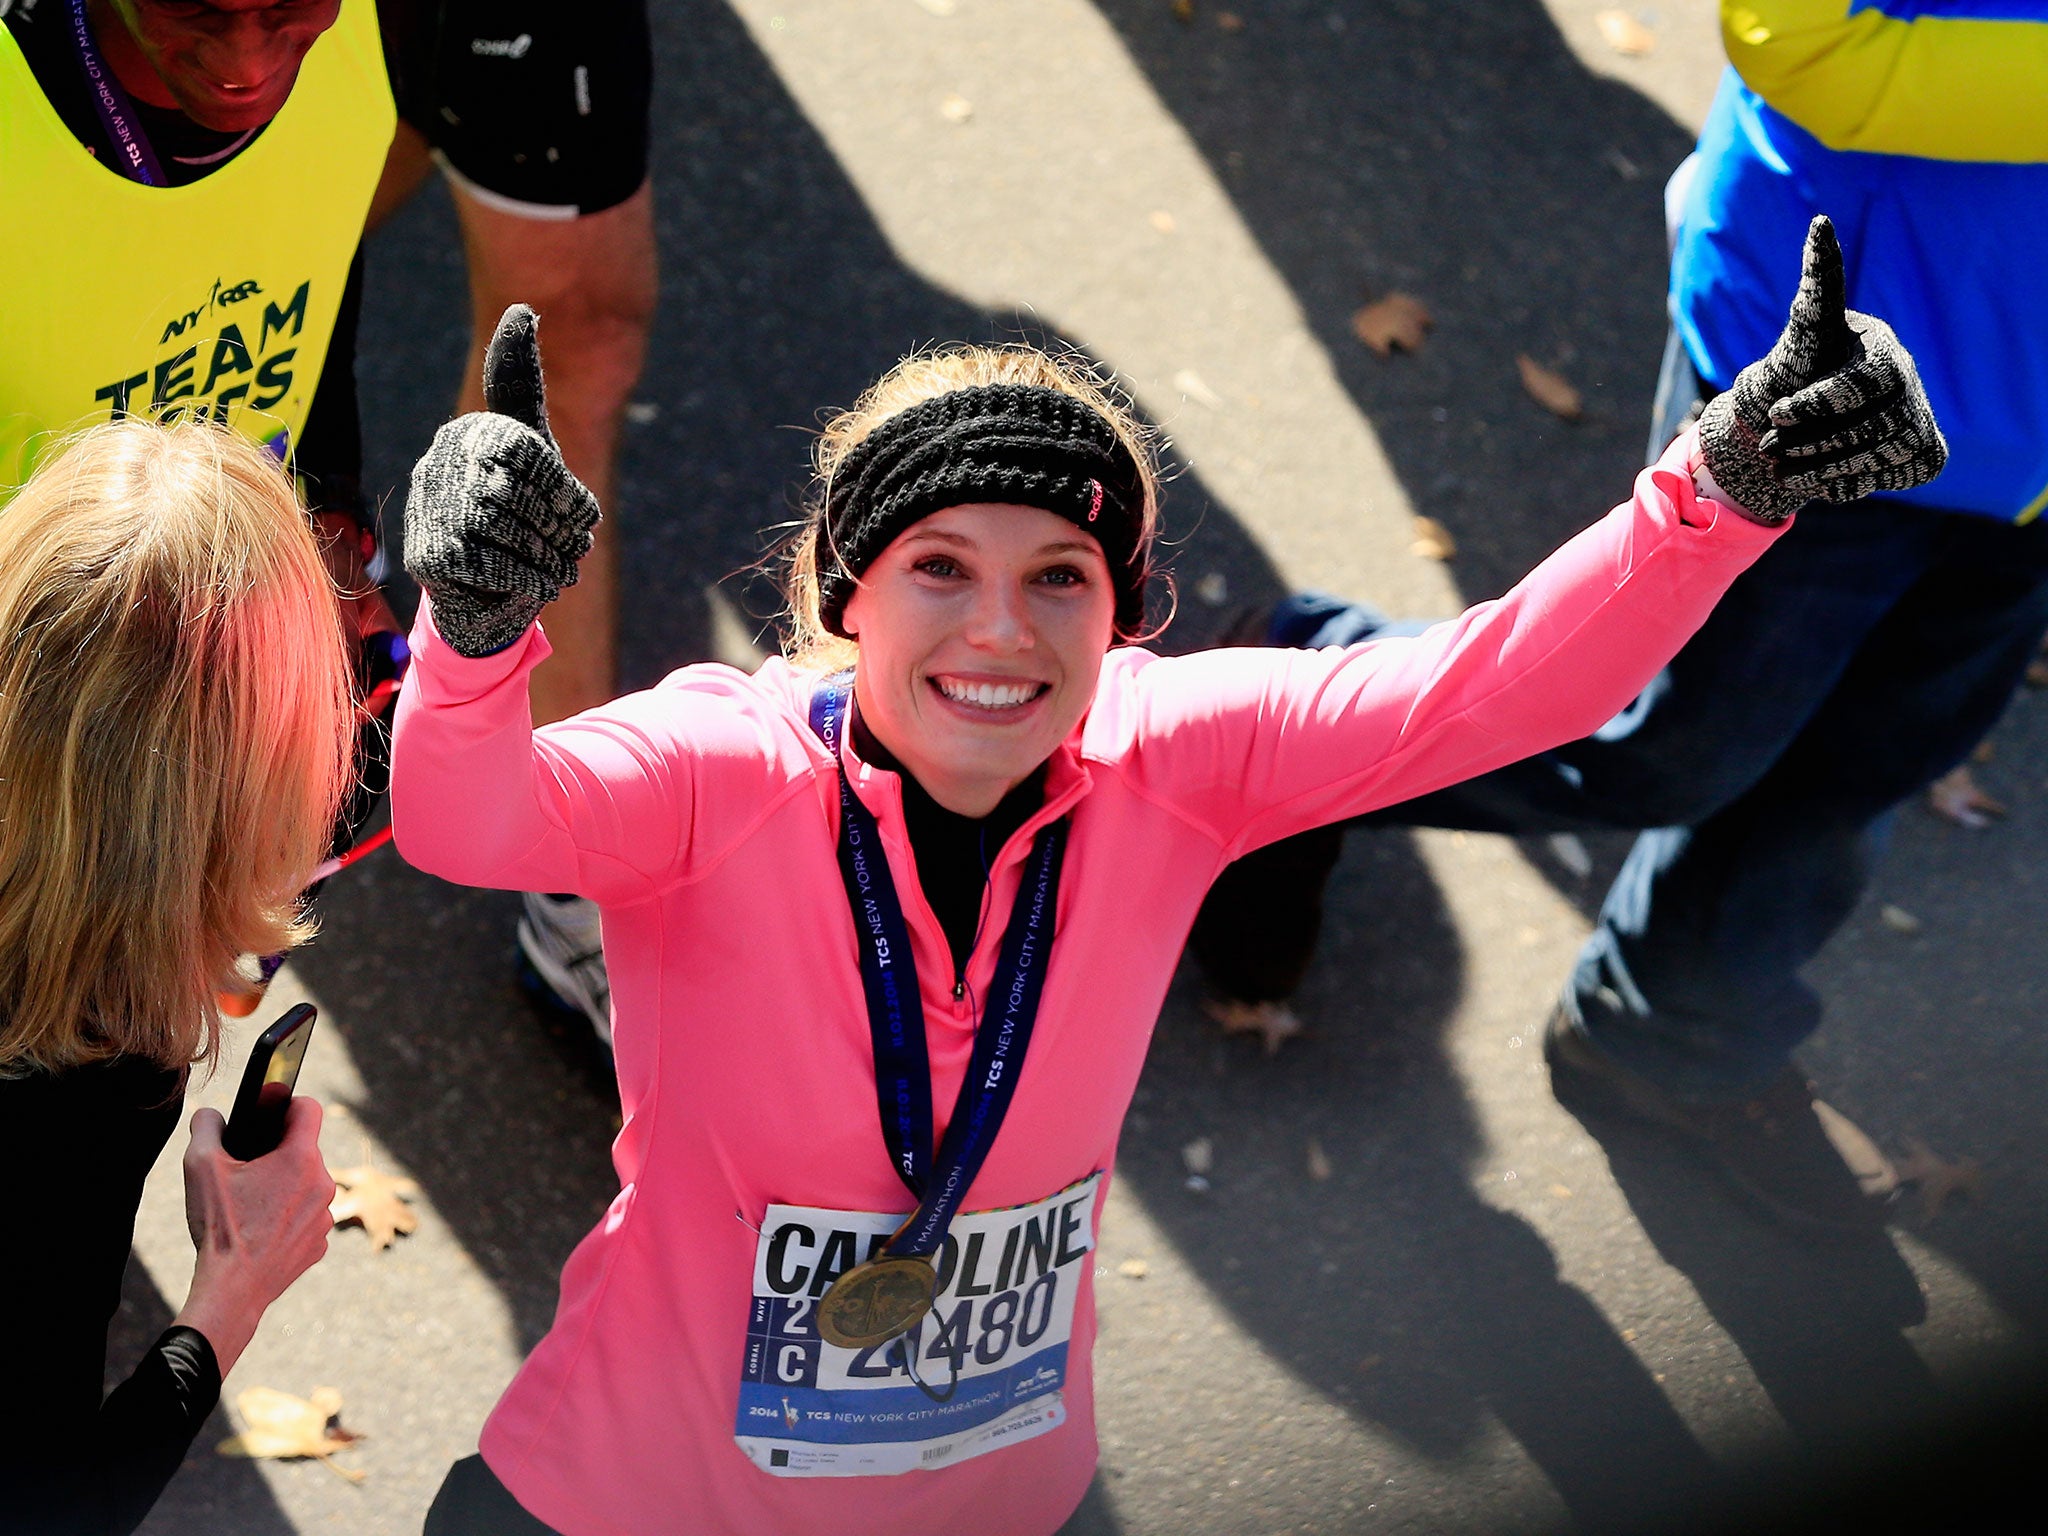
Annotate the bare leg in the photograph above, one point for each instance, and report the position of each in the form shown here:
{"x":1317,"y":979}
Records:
{"x":406,"y":165}
{"x":592,"y":280}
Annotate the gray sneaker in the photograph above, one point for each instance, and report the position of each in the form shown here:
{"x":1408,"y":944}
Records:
{"x":562,"y":944}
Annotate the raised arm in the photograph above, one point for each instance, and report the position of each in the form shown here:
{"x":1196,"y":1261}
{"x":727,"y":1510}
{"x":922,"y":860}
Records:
{"x":613,"y":803}
{"x":495,"y":526}
{"x":1964,"y":86}
{"x":1266,"y":743}
{"x":1269,"y":743}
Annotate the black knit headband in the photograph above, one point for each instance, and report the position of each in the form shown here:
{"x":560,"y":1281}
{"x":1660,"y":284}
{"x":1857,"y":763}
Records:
{"x":1015,"y":443}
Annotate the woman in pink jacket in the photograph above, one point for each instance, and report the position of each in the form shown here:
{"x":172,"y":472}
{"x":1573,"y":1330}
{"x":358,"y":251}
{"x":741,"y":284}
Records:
{"x":887,"y":945}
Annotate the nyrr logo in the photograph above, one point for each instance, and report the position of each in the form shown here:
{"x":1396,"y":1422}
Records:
{"x":221,"y":294}
{"x":230,"y":371}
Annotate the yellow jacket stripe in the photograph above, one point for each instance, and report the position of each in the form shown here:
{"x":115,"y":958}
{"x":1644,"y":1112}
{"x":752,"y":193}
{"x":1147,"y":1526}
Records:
{"x":1941,"y":87}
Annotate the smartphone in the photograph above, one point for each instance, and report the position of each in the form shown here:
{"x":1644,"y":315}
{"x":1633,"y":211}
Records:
{"x":257,"y":1124}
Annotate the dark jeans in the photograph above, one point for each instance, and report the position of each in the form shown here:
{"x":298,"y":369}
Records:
{"x":1861,"y":658}
{"x":472,"y":1502}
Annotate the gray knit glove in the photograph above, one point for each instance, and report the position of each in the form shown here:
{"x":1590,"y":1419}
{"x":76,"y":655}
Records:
{"x":496,"y":524}
{"x":1834,"y":411}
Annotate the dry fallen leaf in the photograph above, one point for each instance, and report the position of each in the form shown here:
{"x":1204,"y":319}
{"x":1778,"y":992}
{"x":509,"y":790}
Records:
{"x":1432,"y":540}
{"x":1957,"y":797}
{"x":1550,"y":389}
{"x":1134,"y":1269}
{"x":1318,"y":1161}
{"x":376,"y":1200}
{"x":1624,"y":34}
{"x":282,"y":1426}
{"x":956,"y":108}
{"x":1876,"y":1175}
{"x":1273,"y":1023}
{"x":1937,"y":1178}
{"x":1396,"y":323}
{"x":1898,"y":919}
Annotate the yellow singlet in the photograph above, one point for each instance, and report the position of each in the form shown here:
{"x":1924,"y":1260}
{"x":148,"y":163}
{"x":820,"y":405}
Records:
{"x":219,"y":295}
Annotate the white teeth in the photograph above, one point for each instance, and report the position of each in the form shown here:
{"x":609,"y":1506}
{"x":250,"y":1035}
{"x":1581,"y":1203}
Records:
{"x":988,"y":695}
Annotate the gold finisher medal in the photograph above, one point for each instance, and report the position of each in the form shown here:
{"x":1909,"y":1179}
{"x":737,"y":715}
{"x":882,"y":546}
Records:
{"x":875,"y":1301}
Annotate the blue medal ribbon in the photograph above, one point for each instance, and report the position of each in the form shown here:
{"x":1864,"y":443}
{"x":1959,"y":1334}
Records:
{"x":903,"y":1083}
{"x":136,"y":159}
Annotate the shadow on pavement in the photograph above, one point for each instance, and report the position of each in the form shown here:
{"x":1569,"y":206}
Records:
{"x":1095,"y":1517}
{"x":1822,"y":1325}
{"x":1460,"y":153}
{"x":1390,"y":1286}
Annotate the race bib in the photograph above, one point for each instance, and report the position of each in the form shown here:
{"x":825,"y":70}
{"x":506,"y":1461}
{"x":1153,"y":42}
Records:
{"x":983,"y":1369}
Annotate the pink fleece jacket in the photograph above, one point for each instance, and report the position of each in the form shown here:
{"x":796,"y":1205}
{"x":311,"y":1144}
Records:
{"x":702,"y":816}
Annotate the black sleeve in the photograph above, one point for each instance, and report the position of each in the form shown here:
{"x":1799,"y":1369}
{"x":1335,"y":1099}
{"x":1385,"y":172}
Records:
{"x":329,"y":455}
{"x":70,"y":1464}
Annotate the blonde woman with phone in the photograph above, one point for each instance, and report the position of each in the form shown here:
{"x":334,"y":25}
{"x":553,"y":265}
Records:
{"x":175,"y":730}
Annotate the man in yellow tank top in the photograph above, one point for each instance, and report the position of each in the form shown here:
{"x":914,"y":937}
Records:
{"x":238,"y":143}
{"x":195,"y":177}
{"x":186,"y":187}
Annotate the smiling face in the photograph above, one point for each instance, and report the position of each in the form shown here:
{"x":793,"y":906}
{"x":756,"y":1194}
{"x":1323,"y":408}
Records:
{"x":981,"y":631}
{"x":229,"y":65}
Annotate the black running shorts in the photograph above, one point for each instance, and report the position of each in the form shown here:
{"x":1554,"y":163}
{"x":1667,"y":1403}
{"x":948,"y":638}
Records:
{"x":538,"y":109}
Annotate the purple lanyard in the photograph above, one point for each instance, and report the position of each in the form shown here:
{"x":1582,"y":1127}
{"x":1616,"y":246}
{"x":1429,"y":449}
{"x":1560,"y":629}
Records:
{"x":134,"y":158}
{"x":903,"y":1083}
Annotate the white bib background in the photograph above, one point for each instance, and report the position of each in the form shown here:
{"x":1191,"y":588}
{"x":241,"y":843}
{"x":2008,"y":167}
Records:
{"x":983,"y":1369}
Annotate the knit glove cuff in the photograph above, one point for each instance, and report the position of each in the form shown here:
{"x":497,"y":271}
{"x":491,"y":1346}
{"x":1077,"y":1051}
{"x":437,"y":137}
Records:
{"x":1731,"y":448}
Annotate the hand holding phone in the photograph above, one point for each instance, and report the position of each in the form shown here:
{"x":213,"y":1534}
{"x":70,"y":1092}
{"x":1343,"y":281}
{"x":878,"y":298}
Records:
{"x":257,"y":1124}
{"x":256,"y":1226}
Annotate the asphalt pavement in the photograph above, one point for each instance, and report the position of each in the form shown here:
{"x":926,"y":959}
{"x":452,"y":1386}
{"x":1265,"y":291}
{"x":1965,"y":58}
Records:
{"x":1407,"y":1291}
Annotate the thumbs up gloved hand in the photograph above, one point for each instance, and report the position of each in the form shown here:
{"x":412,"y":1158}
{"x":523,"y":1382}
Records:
{"x":1833,"y":412}
{"x":496,"y":524}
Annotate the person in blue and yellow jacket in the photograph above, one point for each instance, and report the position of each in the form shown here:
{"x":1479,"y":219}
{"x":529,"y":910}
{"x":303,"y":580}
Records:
{"x":1859,"y":660}
{"x":1878,"y":643}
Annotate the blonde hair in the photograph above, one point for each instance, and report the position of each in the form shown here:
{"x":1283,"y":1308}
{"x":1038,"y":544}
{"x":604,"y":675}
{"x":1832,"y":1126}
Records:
{"x":175,"y":735}
{"x":917,"y":378}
